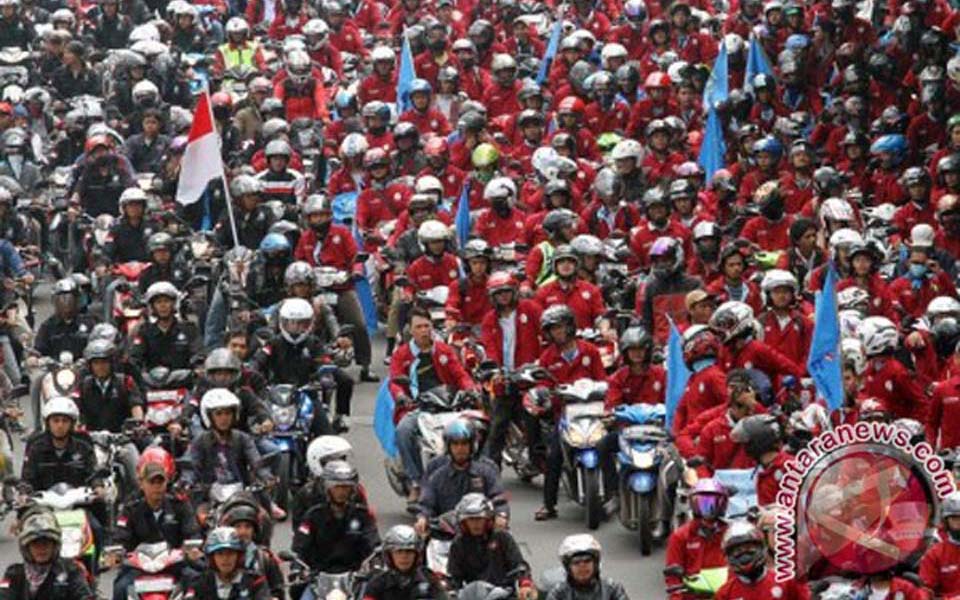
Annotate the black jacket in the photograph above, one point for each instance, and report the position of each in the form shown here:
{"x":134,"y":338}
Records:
{"x":241,"y":453}
{"x":146,"y":155}
{"x":282,"y":362}
{"x":250,"y":587}
{"x":155,"y":273}
{"x":444,"y":486}
{"x":56,"y":335}
{"x":106,"y":409}
{"x":390,"y":585}
{"x":44,"y":466}
{"x":100,"y":192}
{"x":14,"y":33}
{"x":136,"y":523}
{"x":494,"y":558}
{"x":336,"y":544}
{"x":602,"y":589}
{"x":66,"y":581}
{"x":252,"y":227}
{"x":129,"y":242}
{"x":67,"y":84}
{"x":175,"y":349}
{"x":112,"y":33}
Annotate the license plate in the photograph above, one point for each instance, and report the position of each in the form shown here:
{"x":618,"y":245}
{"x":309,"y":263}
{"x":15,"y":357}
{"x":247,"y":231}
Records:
{"x":149,"y":585}
{"x":163,"y":396}
{"x":329,"y":298}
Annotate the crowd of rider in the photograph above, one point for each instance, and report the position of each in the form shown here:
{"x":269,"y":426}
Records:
{"x":844,"y":156}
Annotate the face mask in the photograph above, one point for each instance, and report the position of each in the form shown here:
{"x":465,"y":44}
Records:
{"x":702,"y":363}
{"x":954,"y":535}
{"x":773,"y":210}
{"x":501,"y":207}
{"x":918,"y":271}
{"x":437,"y":45}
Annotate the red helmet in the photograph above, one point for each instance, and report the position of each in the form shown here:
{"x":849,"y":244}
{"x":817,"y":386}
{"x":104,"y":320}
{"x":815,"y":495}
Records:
{"x":156,"y":454}
{"x":95,"y":141}
{"x":221,"y":99}
{"x":699,"y":342}
{"x":436,"y":146}
{"x":501,"y":281}
{"x":657,"y":79}
{"x":571,"y":104}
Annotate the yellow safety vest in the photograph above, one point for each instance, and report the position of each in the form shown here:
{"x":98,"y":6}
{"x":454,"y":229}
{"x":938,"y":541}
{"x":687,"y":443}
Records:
{"x":546,"y":267}
{"x":241,"y":57}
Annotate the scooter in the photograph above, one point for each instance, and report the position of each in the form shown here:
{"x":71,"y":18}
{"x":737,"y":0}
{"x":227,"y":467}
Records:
{"x":644,"y":452}
{"x":581,"y":428}
{"x":320,"y":585}
{"x":76,"y":535}
{"x":442,"y":531}
{"x":156,"y":566}
{"x":60,"y":379}
{"x":292,"y":411}
{"x":165,"y":393}
{"x":126,"y":309}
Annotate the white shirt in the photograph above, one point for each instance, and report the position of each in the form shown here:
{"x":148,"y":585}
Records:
{"x":508,"y":325}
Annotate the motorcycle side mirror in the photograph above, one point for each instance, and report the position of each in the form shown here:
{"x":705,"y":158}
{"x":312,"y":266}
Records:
{"x":674,"y":571}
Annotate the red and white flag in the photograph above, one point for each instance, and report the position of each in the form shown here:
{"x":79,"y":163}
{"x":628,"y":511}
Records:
{"x":201,"y":161}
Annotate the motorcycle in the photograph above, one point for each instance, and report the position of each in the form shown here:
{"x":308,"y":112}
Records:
{"x":581,"y":429}
{"x":200,"y":254}
{"x":126,"y":309}
{"x":328,"y":279}
{"x":61,"y":378}
{"x":437,"y":408}
{"x":703,"y":584}
{"x":165,"y":392}
{"x":442,"y":531}
{"x":321,"y":585}
{"x":119,"y":484}
{"x":76,"y":534}
{"x":157,"y":569}
{"x":293,"y":412}
{"x":435,"y":301}
{"x":645,"y":452}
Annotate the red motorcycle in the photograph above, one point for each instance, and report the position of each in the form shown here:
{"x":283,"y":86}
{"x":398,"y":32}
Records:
{"x":165,"y":393}
{"x":156,"y":566}
{"x":126,"y":308}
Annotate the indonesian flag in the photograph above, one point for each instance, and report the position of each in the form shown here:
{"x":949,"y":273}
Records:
{"x":201,"y":161}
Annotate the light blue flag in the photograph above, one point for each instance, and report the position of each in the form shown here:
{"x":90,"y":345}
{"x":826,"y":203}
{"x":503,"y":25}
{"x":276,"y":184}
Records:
{"x":405,"y":76}
{"x":345,"y":207}
{"x":367,"y":304}
{"x":383,"y":425}
{"x":677,"y":373}
{"x":463,"y":215}
{"x":757,"y":63}
{"x":712,"y":148}
{"x":551,"y":52}
{"x":718,"y":86}
{"x":824,"y":360}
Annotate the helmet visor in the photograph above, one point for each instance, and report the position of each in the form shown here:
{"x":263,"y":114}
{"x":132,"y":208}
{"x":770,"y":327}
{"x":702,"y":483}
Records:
{"x":708,"y":506}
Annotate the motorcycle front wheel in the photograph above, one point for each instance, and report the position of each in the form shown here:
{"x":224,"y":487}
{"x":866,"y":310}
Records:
{"x":645,"y":523}
{"x":592,"y":501}
{"x":281,"y":493}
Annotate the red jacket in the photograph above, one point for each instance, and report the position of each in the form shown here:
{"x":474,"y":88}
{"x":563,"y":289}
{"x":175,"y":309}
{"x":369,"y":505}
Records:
{"x":431,"y":121}
{"x":468,"y":301}
{"x":600,"y":120}
{"x":624,"y":219}
{"x":881,"y":304}
{"x":910,"y":214}
{"x":338,"y":250}
{"x":445,"y":362}
{"x":694,"y":548}
{"x":426,"y":273}
{"x":943,"y":421}
{"x":768,"y":479}
{"x":914,"y":301}
{"x":373,"y":87}
{"x":887,"y":380}
{"x":528,"y":347}
{"x":626,"y":388}
{"x":758,"y":355}
{"x":308,"y":101}
{"x":426,"y":66}
{"x":341,"y":181}
{"x":496,"y":230}
{"x":793,"y":339}
{"x":586,"y":365}
{"x":501,"y":100}
{"x":718,"y":450}
{"x":348,"y":39}
{"x":279,"y":29}
{"x":719,"y":289}
{"x":705,"y":389}
{"x":383,"y":204}
{"x":940,"y":569}
{"x":736,"y":589}
{"x":451,"y":177}
{"x":583,"y":298}
{"x":646,"y":235}
{"x":769,"y":236}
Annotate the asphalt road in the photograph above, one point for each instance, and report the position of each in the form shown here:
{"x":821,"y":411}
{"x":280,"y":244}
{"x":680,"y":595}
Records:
{"x":621,"y":560}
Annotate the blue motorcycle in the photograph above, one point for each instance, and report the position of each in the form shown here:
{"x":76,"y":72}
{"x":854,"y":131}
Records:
{"x":581,"y":429}
{"x":644,"y":450}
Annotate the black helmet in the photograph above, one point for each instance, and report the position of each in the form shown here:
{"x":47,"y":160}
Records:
{"x":636,"y":337}
{"x":759,"y":433}
{"x":558,"y":314}
{"x":558,"y":220}
{"x":826,"y":180}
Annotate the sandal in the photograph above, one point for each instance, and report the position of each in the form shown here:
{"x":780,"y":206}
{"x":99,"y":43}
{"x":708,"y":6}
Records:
{"x":545,"y":514}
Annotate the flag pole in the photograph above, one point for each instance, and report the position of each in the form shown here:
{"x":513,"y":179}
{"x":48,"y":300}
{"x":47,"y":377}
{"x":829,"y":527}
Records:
{"x":223,"y":176}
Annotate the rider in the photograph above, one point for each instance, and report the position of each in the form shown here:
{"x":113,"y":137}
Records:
{"x":568,"y":359}
{"x":258,"y":560}
{"x":664,"y":293}
{"x":225,"y":576}
{"x":733,"y":322}
{"x":582,"y":297}
{"x":483,"y":552}
{"x":427,"y":363}
{"x":165,"y":340}
{"x":405,"y":578}
{"x":253,"y":219}
{"x":448,"y":479}
{"x":746,"y":549}
{"x":761,"y":436}
{"x":695,"y":546}
{"x":129,"y":235}
{"x":941,"y":559}
{"x":336,"y":536}
{"x":161,"y":247}
{"x":580,"y":555}
{"x":467,"y":301}
{"x":66,"y":330}
{"x":43,"y":573}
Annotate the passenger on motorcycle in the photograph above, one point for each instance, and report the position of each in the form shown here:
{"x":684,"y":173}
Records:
{"x":225,"y":576}
{"x":66,"y":330}
{"x":567,"y":359}
{"x":222,"y":369}
{"x":258,"y":560}
{"x":733,"y":322}
{"x":328,"y":244}
{"x":43,"y":573}
{"x":253,"y":219}
{"x":461,"y":472}
{"x":763,"y":439}
{"x":583,"y":298}
{"x":467,"y":301}
{"x":483,"y":552}
{"x":102,"y":180}
{"x":427,"y":363}
{"x":165,"y":340}
{"x":717,"y":446}
{"x":279,"y":181}
{"x":560,"y":227}
{"x":663,"y":294}
{"x":750,"y":578}
{"x":162,"y":250}
{"x":942,"y":559}
{"x":695,"y":547}
{"x":129,"y":235}
{"x":157,"y":515}
{"x":405,"y":578}
{"x":580,"y":555}
{"x":886,"y":378}
{"x":336,"y":536}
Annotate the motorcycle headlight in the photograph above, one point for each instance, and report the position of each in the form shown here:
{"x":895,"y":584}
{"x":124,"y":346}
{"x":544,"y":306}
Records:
{"x":643,"y":459}
{"x":284,"y":416}
{"x":595,"y":434}
{"x":65,"y":379}
{"x":574,"y":436}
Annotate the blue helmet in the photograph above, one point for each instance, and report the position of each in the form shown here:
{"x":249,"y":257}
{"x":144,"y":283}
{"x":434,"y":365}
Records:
{"x":223,"y":538}
{"x":420,"y":86}
{"x":458,"y":431}
{"x":797,"y":41}
{"x":273,"y":244}
{"x":345,"y":99}
{"x":894,"y":144}
{"x":770,"y":145}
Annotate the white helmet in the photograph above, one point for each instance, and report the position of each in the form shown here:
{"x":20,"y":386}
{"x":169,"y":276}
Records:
{"x":878,"y":335}
{"x":217,"y":399}
{"x":732,"y":319}
{"x":161,"y":289}
{"x":428,"y":184}
{"x":383,"y":53}
{"x":850,"y":324}
{"x":775,"y":278}
{"x":498,"y":187}
{"x":186,"y":9}
{"x":844,"y":237}
{"x":432,"y":231}
{"x":354,"y":145}
{"x":835,"y":209}
{"x":943,"y":306}
{"x":501,"y":62}
{"x":581,"y":543}
{"x":853,"y":298}
{"x":296,"y":320}
{"x":953,"y":69}
{"x":628,"y":148}
{"x":143,"y":88}
{"x":130,"y":195}
{"x":705,"y":229}
{"x":60,"y":405}
{"x":326,"y":448}
{"x":298,"y":66}
{"x":544,"y":162}
{"x":316,"y":27}
{"x":734,"y":43}
{"x":147,"y":32}
{"x":238,"y":25}
{"x":612,"y":51}
{"x":852,"y":351}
